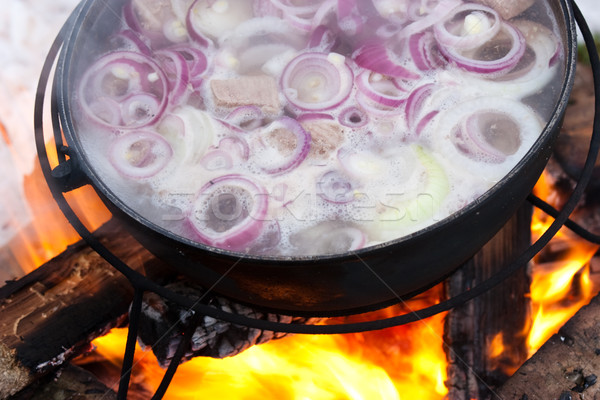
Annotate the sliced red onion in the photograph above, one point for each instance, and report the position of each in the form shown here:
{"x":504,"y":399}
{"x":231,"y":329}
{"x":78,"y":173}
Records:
{"x":314,"y":117}
{"x":154,"y":19}
{"x":350,"y":19}
{"x":469,"y":139}
{"x":486,"y":132}
{"x":388,"y":30}
{"x":264,"y":8}
{"x":235,"y":146}
{"x":425,"y":52}
{"x":274,"y":152}
{"x":216,"y":160}
{"x":196,"y":35}
{"x":261,"y":45}
{"x":323,"y":39}
{"x":175,"y":30}
{"x":328,"y":237}
{"x":215,"y":18}
{"x":303,"y":24}
{"x":106,"y":110}
{"x":229,"y":212}
{"x":378,"y":56}
{"x":317,"y":81}
{"x":418,"y":9}
{"x":246,"y":117}
{"x":380,"y":89}
{"x":530,"y":75}
{"x":394,"y":10}
{"x":178,"y":73}
{"x":266,"y":243}
{"x":415,"y":103}
{"x":130,"y":79}
{"x":303,"y":8}
{"x":423,"y":122}
{"x":334,"y":187}
{"x":131,"y":41}
{"x":138,"y":107}
{"x":499,"y":65}
{"x":325,"y":14}
{"x":438,"y":13}
{"x":468,"y":27}
{"x":279,"y":191}
{"x":180,"y":8}
{"x":196,"y":61}
{"x":140,"y":154}
{"x":353,"y":117}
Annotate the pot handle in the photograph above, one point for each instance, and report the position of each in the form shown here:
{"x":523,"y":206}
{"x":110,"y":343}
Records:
{"x":67,"y":175}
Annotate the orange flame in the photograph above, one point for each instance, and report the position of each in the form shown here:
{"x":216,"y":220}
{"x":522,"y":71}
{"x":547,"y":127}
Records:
{"x":561,"y":287}
{"x":45,"y":232}
{"x":405,"y":362}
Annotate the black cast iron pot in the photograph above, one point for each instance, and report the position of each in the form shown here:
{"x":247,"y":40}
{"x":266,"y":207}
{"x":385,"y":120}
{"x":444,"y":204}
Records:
{"x":321,"y":285}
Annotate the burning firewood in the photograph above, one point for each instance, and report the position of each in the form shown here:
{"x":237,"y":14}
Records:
{"x":162,"y":321}
{"x":566,"y":366}
{"x":53,"y":313}
{"x":71,"y":382}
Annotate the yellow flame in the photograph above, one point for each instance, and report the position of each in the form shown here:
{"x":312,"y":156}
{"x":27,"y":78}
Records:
{"x":375,"y":365}
{"x":561,"y":287}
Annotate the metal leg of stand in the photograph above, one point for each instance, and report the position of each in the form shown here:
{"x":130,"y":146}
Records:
{"x":184,"y":344}
{"x":134,"y":319}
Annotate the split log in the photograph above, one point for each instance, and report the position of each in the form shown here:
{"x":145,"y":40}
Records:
{"x":566,"y":366}
{"x":53,"y":313}
{"x":68,"y":383}
{"x":485,"y":336}
{"x":212,"y":338}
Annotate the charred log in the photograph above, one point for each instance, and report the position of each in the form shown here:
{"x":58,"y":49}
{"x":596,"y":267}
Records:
{"x":566,"y":366}
{"x":53,"y":313}
{"x":162,"y":322}
{"x":485,"y":336}
{"x":68,"y":383}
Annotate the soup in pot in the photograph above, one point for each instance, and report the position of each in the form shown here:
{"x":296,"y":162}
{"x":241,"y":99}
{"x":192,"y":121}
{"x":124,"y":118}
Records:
{"x":317,"y":127}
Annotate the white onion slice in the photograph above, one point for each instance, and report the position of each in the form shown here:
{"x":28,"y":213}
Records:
{"x":191,"y":132}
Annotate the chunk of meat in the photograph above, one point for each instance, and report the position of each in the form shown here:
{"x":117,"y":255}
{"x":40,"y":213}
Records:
{"x":260,"y":90}
{"x":508,"y":8}
{"x":326,"y":138}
